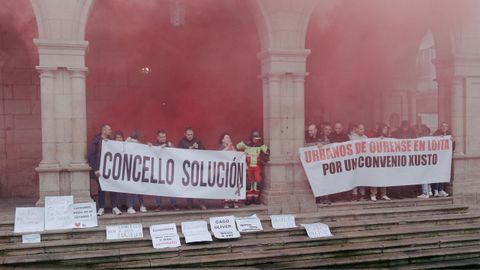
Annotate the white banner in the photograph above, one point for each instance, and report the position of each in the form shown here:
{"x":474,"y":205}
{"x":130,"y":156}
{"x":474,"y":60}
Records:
{"x":141,"y":169}
{"x":377,"y":162}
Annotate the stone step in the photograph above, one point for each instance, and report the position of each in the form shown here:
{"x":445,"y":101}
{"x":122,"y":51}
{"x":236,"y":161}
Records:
{"x":101,"y":249}
{"x":360,"y":205}
{"x":338,"y":224}
{"x":308,"y":257}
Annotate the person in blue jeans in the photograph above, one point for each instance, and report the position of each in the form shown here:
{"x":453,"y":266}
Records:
{"x":135,"y":137}
{"x":439,"y":188}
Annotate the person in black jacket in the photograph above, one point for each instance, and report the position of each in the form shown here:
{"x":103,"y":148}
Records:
{"x":190,"y":142}
{"x":439,"y":188}
{"x":94,"y":155}
{"x":338,"y":135}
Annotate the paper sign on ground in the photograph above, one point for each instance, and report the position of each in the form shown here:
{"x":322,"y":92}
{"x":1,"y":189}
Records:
{"x":84,"y":215}
{"x":249,"y":224}
{"x":283,"y":221}
{"x":317,"y":230}
{"x":58,"y":212}
{"x":31,"y":238}
{"x":124,"y":231}
{"x":29,"y":219}
{"x":164,"y":235}
{"x":196,"y":231}
{"x":224,"y":227}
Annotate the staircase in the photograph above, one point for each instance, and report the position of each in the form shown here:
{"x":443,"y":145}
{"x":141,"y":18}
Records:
{"x":400,"y":234}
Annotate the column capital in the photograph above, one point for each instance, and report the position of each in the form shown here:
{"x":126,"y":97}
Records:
{"x":78,"y":72}
{"x":46,"y":72}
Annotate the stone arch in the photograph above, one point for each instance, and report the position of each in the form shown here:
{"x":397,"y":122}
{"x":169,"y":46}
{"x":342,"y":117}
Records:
{"x":72,"y":14}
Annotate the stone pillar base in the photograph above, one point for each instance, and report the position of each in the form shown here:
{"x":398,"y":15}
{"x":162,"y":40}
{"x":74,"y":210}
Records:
{"x":49,"y":181}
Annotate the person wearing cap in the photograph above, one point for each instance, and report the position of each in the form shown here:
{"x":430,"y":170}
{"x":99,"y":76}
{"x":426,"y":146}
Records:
{"x":257,"y":155}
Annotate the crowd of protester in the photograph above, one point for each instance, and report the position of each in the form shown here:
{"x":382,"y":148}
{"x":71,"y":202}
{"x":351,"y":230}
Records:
{"x":257,"y":155}
{"x":256,"y":151}
{"x":326,"y":133}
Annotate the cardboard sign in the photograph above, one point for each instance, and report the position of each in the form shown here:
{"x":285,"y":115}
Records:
{"x":31,"y":238}
{"x":224,"y":227}
{"x":283,"y":221}
{"x":124,"y":231}
{"x":29,"y":219}
{"x":196,"y":231}
{"x":317,"y":230}
{"x":249,"y":224}
{"x":58,"y":212}
{"x":84,"y":215}
{"x":164,"y":235}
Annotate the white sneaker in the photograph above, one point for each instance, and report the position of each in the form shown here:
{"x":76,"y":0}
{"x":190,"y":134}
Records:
{"x":386,"y":198}
{"x":130,"y":210}
{"x":116,"y":211}
{"x":100,"y":212}
{"x":442,"y":193}
{"x":143,"y":209}
{"x":373,"y":198}
{"x":423,"y":196}
{"x":435,"y":193}
{"x":430,"y":194}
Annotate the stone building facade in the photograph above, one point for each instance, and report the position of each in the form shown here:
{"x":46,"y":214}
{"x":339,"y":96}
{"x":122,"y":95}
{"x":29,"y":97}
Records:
{"x":45,"y":118}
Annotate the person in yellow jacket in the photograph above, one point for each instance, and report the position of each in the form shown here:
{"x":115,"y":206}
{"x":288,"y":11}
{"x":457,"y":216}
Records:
{"x":257,"y":155}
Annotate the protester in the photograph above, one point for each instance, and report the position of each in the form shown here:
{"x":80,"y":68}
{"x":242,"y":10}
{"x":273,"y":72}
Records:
{"x":423,"y":131}
{"x":312,"y":137}
{"x":190,"y":142}
{"x":382,"y":131}
{"x":338,"y":136}
{"x":358,"y":133}
{"x":121,"y":197}
{"x":227,"y":145}
{"x":135,"y":137}
{"x":439,"y":188}
{"x":161,"y":140}
{"x":257,"y":156}
{"x":94,"y":155}
{"x":352,"y":130}
{"x":323,"y":140}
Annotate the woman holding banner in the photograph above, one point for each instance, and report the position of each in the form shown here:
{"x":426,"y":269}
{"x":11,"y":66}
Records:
{"x":135,"y":137}
{"x":227,"y":145}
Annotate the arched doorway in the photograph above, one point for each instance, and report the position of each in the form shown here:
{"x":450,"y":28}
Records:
{"x":174,"y":64}
{"x":20,"y":126}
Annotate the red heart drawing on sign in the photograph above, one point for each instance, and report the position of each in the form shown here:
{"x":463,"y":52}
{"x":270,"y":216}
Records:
{"x":77,"y":224}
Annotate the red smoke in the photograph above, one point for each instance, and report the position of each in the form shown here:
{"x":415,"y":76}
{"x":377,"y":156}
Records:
{"x":203,"y":73}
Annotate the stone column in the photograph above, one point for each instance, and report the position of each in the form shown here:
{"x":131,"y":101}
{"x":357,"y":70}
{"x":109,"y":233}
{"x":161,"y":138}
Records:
{"x":79,"y":169}
{"x":48,"y":169}
{"x":457,"y":113}
{"x":286,"y":188}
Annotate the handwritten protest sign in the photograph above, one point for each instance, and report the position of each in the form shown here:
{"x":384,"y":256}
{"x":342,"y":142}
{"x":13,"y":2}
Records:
{"x":249,"y":224}
{"x":164,"y":235}
{"x":377,"y":162}
{"x":124,"y":231}
{"x":84,"y":215}
{"x":31,"y":238}
{"x":224,"y":227}
{"x":29,"y":219}
{"x":317,"y":230}
{"x":283,"y":221}
{"x":58,"y":212}
{"x":196,"y":231}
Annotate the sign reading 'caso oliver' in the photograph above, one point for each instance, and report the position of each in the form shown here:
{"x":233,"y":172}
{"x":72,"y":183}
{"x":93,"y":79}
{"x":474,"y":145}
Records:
{"x":152,"y":170}
{"x":377,"y":162}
